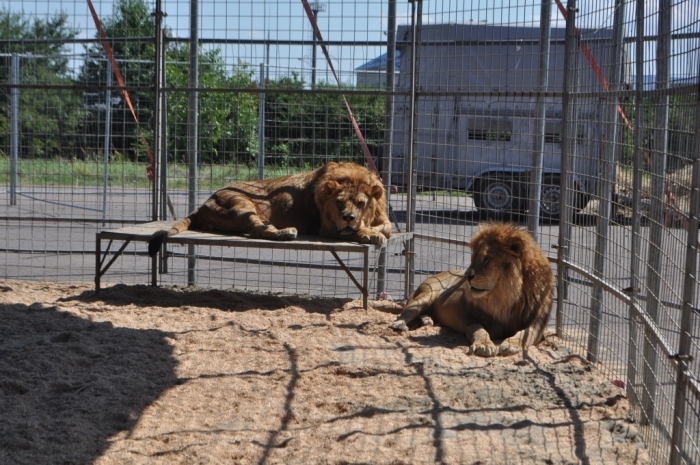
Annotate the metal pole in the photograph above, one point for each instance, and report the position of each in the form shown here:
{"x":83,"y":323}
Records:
{"x":689,"y":286}
{"x":261,"y":125}
{"x":605,"y":186}
{"x":635,"y":249}
{"x":416,"y":10}
{"x":656,"y":213}
{"x":315,"y":8}
{"x":163,"y":146}
{"x":160,"y":173}
{"x":193,"y":134}
{"x":108,"y":132}
{"x":313,"y":57}
{"x":385,"y":161}
{"x":156,"y":118}
{"x":14,"y":127}
{"x":533,"y":216}
{"x":165,"y":199}
{"x":568,"y":152}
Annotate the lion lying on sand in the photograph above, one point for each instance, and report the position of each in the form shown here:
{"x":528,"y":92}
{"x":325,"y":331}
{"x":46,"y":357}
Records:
{"x":337,"y":200}
{"x":505,"y":294}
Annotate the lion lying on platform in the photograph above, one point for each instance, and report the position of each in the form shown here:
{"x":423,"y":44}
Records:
{"x":505,"y":294}
{"x":338,"y":200}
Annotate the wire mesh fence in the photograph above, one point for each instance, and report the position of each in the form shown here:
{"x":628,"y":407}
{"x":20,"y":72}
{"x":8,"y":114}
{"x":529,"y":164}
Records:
{"x":579,"y":122}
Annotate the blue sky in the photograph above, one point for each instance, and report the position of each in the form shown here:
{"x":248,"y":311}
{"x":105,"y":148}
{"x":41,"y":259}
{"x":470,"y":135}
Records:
{"x":356,"y":21}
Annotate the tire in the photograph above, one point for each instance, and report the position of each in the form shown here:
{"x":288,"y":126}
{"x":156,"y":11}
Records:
{"x":494,"y":197}
{"x":550,"y":200}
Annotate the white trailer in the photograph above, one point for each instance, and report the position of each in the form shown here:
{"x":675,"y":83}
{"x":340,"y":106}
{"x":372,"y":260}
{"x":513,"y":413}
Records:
{"x":476,"y":110}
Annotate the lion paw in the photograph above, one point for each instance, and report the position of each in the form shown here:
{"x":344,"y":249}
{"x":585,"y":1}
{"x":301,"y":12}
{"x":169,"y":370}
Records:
{"x":371,"y":237}
{"x":377,"y":239}
{"x":484,"y":349}
{"x":425,"y":320}
{"x":286,"y":234}
{"x":398,"y":325}
{"x":509,"y":348}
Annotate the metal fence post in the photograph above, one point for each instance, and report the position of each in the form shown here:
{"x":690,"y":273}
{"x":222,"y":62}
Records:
{"x":636,"y":203}
{"x":657,"y":170}
{"x":108,"y":132}
{"x":385,"y":161}
{"x":261,"y":124}
{"x":605,"y":185}
{"x":568,"y":152}
{"x":14,"y":127}
{"x":160,"y":171}
{"x":411,"y":174}
{"x":193,"y":134}
{"x":689,"y":287}
{"x":533,"y":217}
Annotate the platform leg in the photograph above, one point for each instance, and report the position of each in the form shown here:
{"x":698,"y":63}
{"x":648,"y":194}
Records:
{"x":154,"y":270}
{"x":365,"y":280}
{"x":98,"y":254}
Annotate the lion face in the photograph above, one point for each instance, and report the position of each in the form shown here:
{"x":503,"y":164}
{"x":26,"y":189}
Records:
{"x":351,"y":201}
{"x":495,"y":271}
{"x":347,"y":206}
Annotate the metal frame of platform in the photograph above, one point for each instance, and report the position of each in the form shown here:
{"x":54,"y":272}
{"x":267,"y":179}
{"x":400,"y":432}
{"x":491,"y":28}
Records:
{"x":143,"y":232}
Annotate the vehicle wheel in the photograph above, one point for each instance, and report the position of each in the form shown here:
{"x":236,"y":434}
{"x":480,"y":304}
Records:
{"x":494,"y":196}
{"x":550,"y":201}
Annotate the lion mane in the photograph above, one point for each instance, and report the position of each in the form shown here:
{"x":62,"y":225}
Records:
{"x":338,"y":200}
{"x":505,"y":295}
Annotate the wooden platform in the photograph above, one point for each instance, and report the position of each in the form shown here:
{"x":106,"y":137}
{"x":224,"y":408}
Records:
{"x":143,"y":232}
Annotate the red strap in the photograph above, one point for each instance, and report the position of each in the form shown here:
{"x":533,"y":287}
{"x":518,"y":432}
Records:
{"x":120,"y":79}
{"x":317,"y":32}
{"x":596,"y":68}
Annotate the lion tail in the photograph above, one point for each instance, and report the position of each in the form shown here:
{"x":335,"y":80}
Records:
{"x":158,"y":238}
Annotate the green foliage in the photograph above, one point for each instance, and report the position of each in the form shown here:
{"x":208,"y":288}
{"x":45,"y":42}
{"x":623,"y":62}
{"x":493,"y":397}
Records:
{"x":302,"y":128}
{"x":130,"y":19}
{"x":681,"y":117}
{"x":228,"y":122}
{"x":310,"y":128}
{"x":48,"y":119}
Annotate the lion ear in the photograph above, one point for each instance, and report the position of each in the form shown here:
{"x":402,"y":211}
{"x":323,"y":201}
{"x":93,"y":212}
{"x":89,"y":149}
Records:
{"x":376,"y":191}
{"x":330,"y":187}
{"x":515,"y":245}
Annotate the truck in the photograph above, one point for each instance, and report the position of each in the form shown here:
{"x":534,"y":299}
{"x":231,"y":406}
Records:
{"x":475,"y":131}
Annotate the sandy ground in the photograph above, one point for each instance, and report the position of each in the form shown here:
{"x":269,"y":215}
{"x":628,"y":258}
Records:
{"x":168,"y":376}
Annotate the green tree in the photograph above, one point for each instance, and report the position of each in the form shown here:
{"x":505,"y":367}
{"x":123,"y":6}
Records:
{"x":241,"y":134}
{"x":311,"y":128}
{"x":49,"y":118}
{"x":131,"y":20}
{"x":227,"y":121}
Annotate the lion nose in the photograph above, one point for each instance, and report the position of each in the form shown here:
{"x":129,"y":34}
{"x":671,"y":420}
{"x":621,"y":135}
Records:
{"x":348,"y":216}
{"x":470,"y":273}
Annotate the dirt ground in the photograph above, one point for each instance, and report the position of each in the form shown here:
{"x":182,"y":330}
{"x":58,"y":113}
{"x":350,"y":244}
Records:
{"x":171,"y":375}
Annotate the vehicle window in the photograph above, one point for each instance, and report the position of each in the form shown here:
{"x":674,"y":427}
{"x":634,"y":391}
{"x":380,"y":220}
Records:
{"x":490,"y":130}
{"x":552,"y":132}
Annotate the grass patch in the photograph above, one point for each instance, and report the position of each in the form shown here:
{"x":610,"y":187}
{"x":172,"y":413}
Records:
{"x":126,"y":174}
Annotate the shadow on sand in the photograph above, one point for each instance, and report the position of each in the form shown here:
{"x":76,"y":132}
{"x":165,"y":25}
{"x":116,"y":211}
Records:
{"x":68,"y":384}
